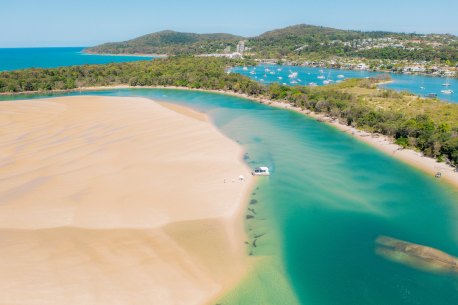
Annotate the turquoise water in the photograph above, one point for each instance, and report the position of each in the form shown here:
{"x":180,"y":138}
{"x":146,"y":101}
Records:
{"x":328,"y":199}
{"x":22,"y":58}
{"x":416,"y":84}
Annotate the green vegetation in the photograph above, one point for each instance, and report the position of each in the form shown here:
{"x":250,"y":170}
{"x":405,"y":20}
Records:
{"x":321,"y":42}
{"x":428,"y":125}
{"x":170,"y":42}
{"x":299,"y":41}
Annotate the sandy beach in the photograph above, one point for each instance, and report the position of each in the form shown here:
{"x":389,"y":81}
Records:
{"x":386,"y":145}
{"x":381,"y":142}
{"x":107,"y":200}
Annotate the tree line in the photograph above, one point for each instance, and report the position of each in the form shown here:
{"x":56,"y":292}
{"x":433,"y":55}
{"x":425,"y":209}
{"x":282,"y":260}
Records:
{"x":426,"y":125}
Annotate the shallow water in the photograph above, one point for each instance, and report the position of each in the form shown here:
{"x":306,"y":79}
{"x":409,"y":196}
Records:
{"x":23,"y":58}
{"x":416,"y":84}
{"x":317,"y":217}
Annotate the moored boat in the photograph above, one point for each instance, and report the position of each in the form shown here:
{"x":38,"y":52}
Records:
{"x":447,"y":91}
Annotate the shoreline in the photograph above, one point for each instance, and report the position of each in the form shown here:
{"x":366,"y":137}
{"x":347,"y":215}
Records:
{"x":382,"y":143}
{"x":127,"y":55}
{"x":191,"y":241}
{"x":267,"y":62}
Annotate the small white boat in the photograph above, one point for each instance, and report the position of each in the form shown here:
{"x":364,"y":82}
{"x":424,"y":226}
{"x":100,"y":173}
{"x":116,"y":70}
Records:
{"x":280,"y":78}
{"x":293,"y":75}
{"x":272,"y":72}
{"x":340,"y":76}
{"x":245,"y":68}
{"x":447,"y":91}
{"x":312,"y":84}
{"x":321,"y":71}
{"x":279,"y":70}
{"x":252,"y":72}
{"x":422,"y":88}
{"x":326,"y":82}
{"x":293,"y":82}
{"x":321,"y":77}
{"x":446,"y":85}
{"x":261,"y":171}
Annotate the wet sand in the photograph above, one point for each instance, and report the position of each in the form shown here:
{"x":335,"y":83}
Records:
{"x":108,"y":200}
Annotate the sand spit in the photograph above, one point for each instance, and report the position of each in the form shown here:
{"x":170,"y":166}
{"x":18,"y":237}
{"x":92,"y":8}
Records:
{"x":416,"y":256}
{"x":117,"y":201}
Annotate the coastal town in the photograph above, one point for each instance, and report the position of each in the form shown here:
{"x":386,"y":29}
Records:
{"x":402,"y":66}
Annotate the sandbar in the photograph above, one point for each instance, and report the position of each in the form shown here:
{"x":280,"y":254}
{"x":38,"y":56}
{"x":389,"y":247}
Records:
{"x":109,"y":200}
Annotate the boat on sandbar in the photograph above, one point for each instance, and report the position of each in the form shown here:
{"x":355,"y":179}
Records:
{"x":261,"y":171}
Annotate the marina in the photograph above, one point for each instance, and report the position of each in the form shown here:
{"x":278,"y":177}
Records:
{"x":308,"y":76}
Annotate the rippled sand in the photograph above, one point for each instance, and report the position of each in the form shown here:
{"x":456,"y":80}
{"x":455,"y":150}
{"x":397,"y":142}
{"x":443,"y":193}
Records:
{"x":109,"y":200}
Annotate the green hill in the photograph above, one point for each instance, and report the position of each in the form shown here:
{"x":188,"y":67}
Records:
{"x":322,"y":42}
{"x":298,"y":41}
{"x":170,"y":42}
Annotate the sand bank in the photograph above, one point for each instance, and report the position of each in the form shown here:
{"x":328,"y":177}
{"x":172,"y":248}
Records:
{"x":381,"y":142}
{"x":117,"y":201}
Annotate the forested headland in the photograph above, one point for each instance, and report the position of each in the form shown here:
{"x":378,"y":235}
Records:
{"x":299,"y":41}
{"x":428,"y":125}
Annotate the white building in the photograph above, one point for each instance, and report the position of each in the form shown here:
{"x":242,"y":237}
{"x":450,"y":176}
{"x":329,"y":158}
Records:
{"x":240,"y":47}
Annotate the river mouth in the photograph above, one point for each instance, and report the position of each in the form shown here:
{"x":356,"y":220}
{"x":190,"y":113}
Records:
{"x":328,"y":198}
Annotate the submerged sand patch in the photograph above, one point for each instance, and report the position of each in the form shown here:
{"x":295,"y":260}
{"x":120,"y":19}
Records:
{"x":116,"y":200}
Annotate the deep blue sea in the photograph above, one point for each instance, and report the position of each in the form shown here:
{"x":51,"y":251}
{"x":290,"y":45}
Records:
{"x":416,"y":84}
{"x":23,"y":58}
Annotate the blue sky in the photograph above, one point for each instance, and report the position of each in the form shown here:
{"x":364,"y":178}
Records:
{"x":28,"y":23}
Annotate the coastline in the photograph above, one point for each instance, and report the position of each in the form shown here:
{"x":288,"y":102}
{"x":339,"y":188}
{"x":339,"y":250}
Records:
{"x":153,"y":244}
{"x":270,"y":62}
{"x":382,"y":143}
{"x":126,"y":55}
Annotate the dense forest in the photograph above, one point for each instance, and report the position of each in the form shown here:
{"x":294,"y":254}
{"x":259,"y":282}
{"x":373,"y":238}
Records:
{"x":171,"y":43}
{"x":428,"y":125}
{"x":322,"y":42}
{"x":308,"y":41}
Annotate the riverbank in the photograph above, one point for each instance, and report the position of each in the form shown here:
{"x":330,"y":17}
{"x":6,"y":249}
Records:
{"x":381,"y":142}
{"x":118,"y":200}
{"x":444,"y":73}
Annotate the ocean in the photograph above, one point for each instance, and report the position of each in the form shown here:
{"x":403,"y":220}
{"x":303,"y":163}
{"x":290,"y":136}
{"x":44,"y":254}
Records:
{"x":23,"y":58}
